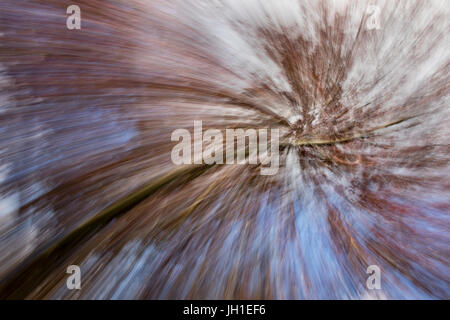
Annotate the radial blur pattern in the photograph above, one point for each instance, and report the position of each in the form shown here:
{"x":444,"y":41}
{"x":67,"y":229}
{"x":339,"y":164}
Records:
{"x":86,"y":176}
